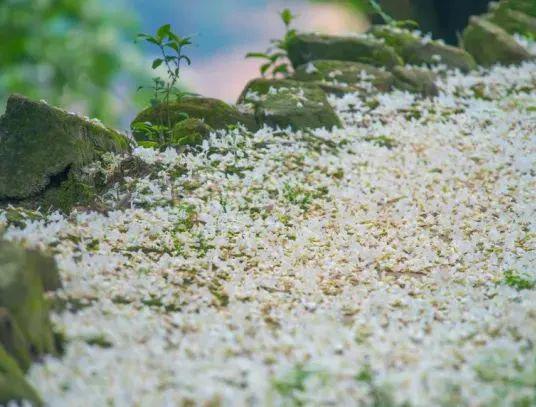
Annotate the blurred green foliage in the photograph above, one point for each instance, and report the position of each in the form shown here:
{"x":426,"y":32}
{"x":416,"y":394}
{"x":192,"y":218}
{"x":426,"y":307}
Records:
{"x":70,"y":53}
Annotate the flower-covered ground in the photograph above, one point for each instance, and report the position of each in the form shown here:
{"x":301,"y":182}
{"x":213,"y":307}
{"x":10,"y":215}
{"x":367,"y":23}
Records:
{"x":388,"y":263}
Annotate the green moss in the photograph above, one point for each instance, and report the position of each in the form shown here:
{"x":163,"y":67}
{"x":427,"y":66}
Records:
{"x":511,"y":20}
{"x":76,"y":190}
{"x":490,"y":44}
{"x":215,"y":113}
{"x":415,"y":51}
{"x":19,"y":217}
{"x":218,"y":291}
{"x":518,"y":281}
{"x":38,"y":142}
{"x":287,"y":103}
{"x":415,"y":80}
{"x":13,"y":385}
{"x":99,"y":340}
{"x":304,"y":48}
{"x":13,"y":341}
{"x":382,"y":141}
{"x":290,"y":385}
{"x":262,"y":86}
{"x":190,"y":132}
{"x":344,"y":72}
{"x":525,"y":6}
{"x":22,"y":294}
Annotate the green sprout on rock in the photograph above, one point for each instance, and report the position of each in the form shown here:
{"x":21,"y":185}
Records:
{"x":164,"y":90}
{"x":277,"y":55}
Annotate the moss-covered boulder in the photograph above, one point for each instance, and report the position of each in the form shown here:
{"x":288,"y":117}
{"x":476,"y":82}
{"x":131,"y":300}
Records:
{"x":13,"y":340}
{"x":215,"y":113}
{"x":13,"y":385}
{"x":25,"y":327}
{"x":304,"y":48}
{"x":511,"y":20}
{"x":525,"y":6}
{"x":22,"y":282}
{"x":190,"y":132}
{"x":39,"y":143}
{"x":415,"y":80}
{"x":288,"y":103}
{"x":416,"y":50}
{"x":359,"y":76}
{"x":490,"y":44}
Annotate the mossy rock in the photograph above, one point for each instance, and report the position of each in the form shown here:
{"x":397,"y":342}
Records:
{"x":415,"y":80}
{"x":345,"y":73}
{"x":337,"y":89}
{"x":304,"y":48}
{"x":490,"y":44}
{"x":288,"y":103}
{"x":190,"y":132}
{"x":511,"y":20}
{"x":13,"y":340}
{"x":259,"y":87}
{"x":22,"y":282}
{"x":39,"y":142}
{"x":414,"y":50}
{"x":215,"y":113}
{"x":525,"y":6}
{"x":13,"y":385}
{"x":19,"y":217}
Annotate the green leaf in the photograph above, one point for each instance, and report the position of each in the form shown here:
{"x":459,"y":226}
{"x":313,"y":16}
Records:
{"x":257,"y":55}
{"x":287,"y":16}
{"x":264,"y":68}
{"x":185,"y":41}
{"x":163,"y":31}
{"x":187,"y":59}
{"x":407,"y":24}
{"x":172,"y":45}
{"x":157,"y":62}
{"x":378,"y":10}
{"x":283,"y":69}
{"x":142,"y":36}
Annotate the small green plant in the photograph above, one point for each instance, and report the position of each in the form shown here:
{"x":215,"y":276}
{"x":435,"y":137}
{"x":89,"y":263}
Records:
{"x":172,"y":57}
{"x":277,"y":55}
{"x":514,"y":280}
{"x":382,"y":141}
{"x":297,"y":196}
{"x":290,"y":385}
{"x":379,"y":11}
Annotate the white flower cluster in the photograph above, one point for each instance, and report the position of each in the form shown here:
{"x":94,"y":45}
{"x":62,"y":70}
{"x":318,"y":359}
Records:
{"x":389,"y":262}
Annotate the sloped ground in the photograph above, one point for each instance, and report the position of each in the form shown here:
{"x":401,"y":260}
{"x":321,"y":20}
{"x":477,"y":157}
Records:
{"x":386,"y":263}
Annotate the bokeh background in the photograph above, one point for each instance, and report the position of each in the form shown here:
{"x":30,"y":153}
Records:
{"x":81,"y":55}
